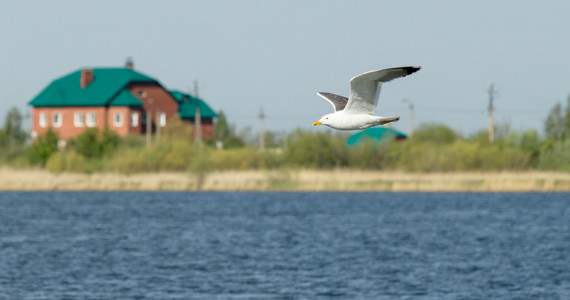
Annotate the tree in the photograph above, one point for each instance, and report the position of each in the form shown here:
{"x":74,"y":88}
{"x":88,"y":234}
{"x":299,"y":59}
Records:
{"x":225,"y":134}
{"x":12,"y":134}
{"x":555,"y":123}
{"x":93,"y":144}
{"x":44,"y":146}
{"x":109,"y":141}
{"x":87,"y":143}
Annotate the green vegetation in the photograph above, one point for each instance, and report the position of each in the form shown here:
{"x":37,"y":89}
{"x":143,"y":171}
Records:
{"x":12,"y":134}
{"x":431,"y":148}
{"x":44,"y":147}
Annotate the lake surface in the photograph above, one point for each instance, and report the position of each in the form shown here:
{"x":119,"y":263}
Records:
{"x":240,"y":245}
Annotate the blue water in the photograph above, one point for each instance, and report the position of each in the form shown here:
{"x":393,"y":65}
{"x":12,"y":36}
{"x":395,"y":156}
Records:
{"x":164,"y":245}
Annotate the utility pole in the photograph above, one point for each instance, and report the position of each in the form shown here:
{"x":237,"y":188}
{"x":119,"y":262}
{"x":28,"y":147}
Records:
{"x":261,"y":130}
{"x":158,"y":129}
{"x":197,"y":119}
{"x":411,"y":114}
{"x":148,"y":127}
{"x":29,"y":126}
{"x":148,"y":114}
{"x":491,"y":108}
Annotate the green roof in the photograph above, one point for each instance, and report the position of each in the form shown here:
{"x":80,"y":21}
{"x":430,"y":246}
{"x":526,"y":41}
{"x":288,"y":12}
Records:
{"x":107,"y":88}
{"x":376,"y":134}
{"x":125,"y":98}
{"x":180,"y":96}
{"x":187,"y":106}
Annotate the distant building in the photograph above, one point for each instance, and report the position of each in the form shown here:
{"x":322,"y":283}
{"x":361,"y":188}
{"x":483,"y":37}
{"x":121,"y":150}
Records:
{"x":187,"y":112}
{"x":377,"y":135}
{"x":117,"y":98}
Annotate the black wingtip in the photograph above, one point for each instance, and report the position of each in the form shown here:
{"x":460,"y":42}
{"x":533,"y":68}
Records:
{"x":410,"y":70}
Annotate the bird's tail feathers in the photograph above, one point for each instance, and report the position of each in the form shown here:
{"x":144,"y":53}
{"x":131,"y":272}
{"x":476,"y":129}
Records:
{"x":387,"y":120}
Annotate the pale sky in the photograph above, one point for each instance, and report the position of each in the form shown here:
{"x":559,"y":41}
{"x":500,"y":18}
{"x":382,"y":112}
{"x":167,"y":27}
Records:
{"x":276,"y":55}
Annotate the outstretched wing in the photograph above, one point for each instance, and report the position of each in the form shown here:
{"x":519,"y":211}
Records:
{"x":365,"y":88}
{"x":338,"y":102}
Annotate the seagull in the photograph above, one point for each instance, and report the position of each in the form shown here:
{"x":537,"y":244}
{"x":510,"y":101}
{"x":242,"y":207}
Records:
{"x":357,"y":111}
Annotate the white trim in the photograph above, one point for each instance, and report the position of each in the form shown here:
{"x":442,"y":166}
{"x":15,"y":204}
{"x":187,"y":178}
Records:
{"x":78,"y":119}
{"x":43,"y":120}
{"x":162,"y":119}
{"x":57,"y":119}
{"x":91,"y":120}
{"x":118,"y":119}
{"x":134,"y":119}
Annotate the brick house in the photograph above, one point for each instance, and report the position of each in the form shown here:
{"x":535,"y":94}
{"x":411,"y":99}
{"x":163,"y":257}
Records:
{"x":187,"y":111}
{"x":117,"y":98}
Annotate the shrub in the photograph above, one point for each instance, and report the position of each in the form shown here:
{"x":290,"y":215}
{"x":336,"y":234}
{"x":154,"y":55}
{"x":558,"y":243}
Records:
{"x":94,"y":144}
{"x":462,"y":155}
{"x":317,"y":149}
{"x":435,"y":133}
{"x":369,"y":155}
{"x":555,"y":156}
{"x":87,"y":143}
{"x":174,"y":155}
{"x":56,"y":163}
{"x":43,"y":147}
{"x":71,"y":162}
{"x":167,"y":155}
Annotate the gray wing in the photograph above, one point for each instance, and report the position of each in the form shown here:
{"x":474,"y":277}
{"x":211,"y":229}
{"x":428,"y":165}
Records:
{"x":365,"y":88}
{"x":338,"y":102}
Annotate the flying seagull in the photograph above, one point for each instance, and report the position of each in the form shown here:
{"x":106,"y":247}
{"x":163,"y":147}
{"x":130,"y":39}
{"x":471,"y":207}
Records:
{"x":357,"y":111}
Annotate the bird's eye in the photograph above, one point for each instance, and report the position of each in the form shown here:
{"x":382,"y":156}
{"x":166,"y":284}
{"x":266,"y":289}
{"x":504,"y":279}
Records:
{"x":327,"y":118}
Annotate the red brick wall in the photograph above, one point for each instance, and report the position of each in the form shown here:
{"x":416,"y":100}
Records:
{"x":104,"y":117}
{"x":68,"y":128}
{"x":124,"y":128}
{"x":154,"y":98}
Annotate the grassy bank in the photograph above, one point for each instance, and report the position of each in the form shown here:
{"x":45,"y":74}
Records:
{"x":289,"y":180}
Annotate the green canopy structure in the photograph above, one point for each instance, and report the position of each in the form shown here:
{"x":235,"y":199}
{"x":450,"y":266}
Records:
{"x":376,"y":134}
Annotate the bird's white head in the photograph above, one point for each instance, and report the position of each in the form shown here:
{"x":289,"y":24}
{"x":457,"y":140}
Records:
{"x":325,"y":120}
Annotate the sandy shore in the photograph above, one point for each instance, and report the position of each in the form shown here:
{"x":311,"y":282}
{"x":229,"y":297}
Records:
{"x":296,"y":180}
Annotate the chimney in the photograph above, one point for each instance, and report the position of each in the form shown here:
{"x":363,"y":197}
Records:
{"x":86,"y":78}
{"x":129,"y":64}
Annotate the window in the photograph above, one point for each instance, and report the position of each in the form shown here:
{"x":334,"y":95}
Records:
{"x":134,"y":119}
{"x":57,"y":121}
{"x":118,"y":119}
{"x":91,"y":119}
{"x":43,"y":120}
{"x":141,"y":94}
{"x":162,"y":119}
{"x":78,"y":119}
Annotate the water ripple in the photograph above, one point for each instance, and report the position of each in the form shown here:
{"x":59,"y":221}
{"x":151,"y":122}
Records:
{"x":122,"y":245}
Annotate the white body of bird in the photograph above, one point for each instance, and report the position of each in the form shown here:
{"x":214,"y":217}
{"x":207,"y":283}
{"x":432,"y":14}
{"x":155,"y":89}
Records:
{"x":357,"y":111}
{"x":345,"y":121}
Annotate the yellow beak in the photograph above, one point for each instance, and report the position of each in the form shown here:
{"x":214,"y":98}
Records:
{"x":317,"y":123}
